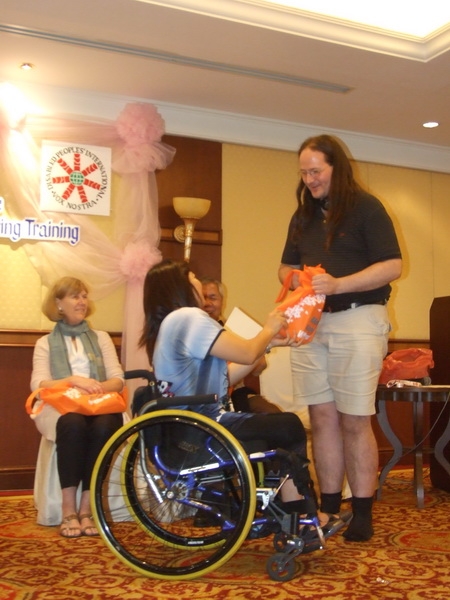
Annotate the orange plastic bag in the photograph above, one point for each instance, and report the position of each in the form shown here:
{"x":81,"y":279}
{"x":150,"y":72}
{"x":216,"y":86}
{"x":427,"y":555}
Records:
{"x":65,"y":399}
{"x":303,"y":307}
{"x":409,"y":363}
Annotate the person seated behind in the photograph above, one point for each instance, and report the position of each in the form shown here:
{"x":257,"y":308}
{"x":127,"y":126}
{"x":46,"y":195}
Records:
{"x":214,"y":298}
{"x":243,"y":397}
{"x":191,"y":353}
{"x":74,"y":353}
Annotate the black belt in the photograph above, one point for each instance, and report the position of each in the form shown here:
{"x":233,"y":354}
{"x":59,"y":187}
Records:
{"x":341,"y":307}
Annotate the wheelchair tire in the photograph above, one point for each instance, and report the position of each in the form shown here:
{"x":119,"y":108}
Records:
{"x":279,"y":567}
{"x":173,"y":494}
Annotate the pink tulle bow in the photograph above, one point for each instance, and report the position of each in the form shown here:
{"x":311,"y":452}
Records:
{"x":140,"y":123}
{"x":137,"y":258}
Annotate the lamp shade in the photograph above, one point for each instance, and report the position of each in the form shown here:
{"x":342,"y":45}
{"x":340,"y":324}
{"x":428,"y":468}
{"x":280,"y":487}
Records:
{"x":191,"y":208}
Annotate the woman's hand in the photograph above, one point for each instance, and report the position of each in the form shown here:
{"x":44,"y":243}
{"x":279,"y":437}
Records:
{"x":281,"y":337}
{"x":276,"y":321}
{"x":86,"y":384}
{"x":285,"y":341}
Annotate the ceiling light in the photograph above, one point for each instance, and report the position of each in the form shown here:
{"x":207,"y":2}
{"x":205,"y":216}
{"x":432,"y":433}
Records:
{"x":431,"y":124}
{"x":414,"y":19}
{"x":26,"y":66}
{"x":14,"y":104}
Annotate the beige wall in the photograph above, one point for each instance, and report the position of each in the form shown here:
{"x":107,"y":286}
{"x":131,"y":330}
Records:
{"x":258,"y":201}
{"x":21,"y":295}
{"x":21,"y":292}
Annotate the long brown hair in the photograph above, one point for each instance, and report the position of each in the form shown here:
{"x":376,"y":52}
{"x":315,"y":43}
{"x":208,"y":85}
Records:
{"x":166,"y":288}
{"x":343,"y":187}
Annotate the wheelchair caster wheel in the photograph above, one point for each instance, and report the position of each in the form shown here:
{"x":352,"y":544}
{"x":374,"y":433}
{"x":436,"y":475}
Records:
{"x":280,"y":541}
{"x":280,"y":568}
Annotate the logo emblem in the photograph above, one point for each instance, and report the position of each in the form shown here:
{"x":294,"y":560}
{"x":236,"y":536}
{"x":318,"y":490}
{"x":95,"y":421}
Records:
{"x":76,"y":179}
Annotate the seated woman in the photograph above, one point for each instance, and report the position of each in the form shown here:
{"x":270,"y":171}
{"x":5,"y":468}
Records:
{"x":190,"y":351}
{"x":86,"y":359}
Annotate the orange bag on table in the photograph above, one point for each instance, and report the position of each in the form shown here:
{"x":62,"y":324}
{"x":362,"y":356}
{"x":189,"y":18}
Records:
{"x":408,"y":363}
{"x":65,"y":399}
{"x":302,"y":307}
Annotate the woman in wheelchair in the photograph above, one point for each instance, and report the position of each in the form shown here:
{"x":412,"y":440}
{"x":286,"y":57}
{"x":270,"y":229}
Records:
{"x":195,"y":355}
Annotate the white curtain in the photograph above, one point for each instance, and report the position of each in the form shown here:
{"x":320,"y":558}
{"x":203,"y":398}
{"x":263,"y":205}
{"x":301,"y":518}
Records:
{"x":103,"y":263}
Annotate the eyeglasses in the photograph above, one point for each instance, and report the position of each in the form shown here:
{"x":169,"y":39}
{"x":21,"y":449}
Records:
{"x":314,"y":173}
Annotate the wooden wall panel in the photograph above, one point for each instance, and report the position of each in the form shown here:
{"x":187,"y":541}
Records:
{"x":196,"y":171}
{"x":19,"y":439}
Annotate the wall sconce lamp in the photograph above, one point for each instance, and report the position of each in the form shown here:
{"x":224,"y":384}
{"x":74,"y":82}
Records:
{"x":190,"y":210}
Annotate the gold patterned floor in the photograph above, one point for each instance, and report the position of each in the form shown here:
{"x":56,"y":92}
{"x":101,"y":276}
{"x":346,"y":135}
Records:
{"x":407,"y":559}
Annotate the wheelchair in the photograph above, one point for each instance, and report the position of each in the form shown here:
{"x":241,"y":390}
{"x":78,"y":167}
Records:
{"x":174,"y":494}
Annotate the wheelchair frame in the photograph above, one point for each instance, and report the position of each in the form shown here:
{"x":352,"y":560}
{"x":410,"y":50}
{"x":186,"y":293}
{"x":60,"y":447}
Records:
{"x":173,"y":495}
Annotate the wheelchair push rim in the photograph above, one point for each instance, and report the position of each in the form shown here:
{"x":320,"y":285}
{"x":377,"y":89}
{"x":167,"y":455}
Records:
{"x":156,"y":478}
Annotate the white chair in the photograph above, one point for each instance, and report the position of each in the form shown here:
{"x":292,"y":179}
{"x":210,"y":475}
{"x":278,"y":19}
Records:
{"x":47,"y":489}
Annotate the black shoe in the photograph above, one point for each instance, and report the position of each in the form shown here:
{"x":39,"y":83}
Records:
{"x":360,"y":529}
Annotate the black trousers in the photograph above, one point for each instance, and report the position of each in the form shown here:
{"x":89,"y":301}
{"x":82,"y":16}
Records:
{"x":279,"y":431}
{"x":79,"y":440}
{"x":272,"y":430}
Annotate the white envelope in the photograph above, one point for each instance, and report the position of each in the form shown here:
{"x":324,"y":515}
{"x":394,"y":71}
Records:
{"x":242,"y":324}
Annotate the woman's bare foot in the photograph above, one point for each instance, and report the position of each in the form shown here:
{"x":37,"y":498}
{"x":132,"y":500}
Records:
{"x":70,"y":527}
{"x":88,"y":525}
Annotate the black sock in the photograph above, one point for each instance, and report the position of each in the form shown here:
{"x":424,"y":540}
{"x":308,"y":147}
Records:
{"x":360,"y":528}
{"x":330,"y":503}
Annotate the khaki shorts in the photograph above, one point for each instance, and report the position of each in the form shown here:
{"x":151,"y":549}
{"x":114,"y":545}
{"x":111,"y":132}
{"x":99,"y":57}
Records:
{"x":343,"y":362}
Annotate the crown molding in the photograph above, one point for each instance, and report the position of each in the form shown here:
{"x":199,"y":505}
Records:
{"x":315,"y":26}
{"x":234,"y":128}
{"x":284,"y":135}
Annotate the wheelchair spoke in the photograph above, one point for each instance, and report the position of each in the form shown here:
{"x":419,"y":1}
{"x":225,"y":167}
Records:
{"x":173,"y":494}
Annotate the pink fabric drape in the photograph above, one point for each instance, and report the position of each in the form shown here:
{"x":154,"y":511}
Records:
{"x":103,"y":263}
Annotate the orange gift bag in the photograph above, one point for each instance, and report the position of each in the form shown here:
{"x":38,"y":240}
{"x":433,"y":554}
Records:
{"x":408,"y":363}
{"x":65,"y":399}
{"x":302,"y":307}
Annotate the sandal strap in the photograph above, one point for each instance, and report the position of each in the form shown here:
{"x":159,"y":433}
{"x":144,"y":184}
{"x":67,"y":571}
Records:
{"x":72,"y":517}
{"x":86,"y":516}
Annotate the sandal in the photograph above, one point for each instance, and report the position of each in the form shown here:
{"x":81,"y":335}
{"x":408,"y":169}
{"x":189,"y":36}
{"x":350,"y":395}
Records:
{"x":84,"y":530}
{"x":66,"y":528}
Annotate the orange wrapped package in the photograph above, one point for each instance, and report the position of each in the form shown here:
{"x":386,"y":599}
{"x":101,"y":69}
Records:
{"x":302,"y":307}
{"x":408,"y":363}
{"x":65,"y":398}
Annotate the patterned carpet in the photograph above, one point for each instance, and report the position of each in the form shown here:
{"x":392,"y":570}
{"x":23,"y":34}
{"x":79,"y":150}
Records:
{"x":407,"y":559}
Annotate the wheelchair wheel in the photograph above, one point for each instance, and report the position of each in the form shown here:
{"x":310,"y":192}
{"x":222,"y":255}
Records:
{"x":280,"y":567}
{"x":173,"y":494}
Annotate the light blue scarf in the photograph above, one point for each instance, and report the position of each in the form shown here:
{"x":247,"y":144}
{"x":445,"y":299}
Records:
{"x":59,"y":360}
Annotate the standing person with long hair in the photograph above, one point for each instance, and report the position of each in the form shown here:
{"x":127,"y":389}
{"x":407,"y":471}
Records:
{"x":190,"y":352}
{"x":75,"y":354}
{"x":349,"y":233}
